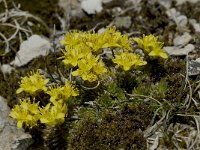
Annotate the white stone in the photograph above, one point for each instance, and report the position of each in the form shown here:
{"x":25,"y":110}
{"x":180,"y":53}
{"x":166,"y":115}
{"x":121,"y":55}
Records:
{"x":198,"y":60}
{"x":182,"y":40}
{"x":194,"y":67}
{"x":182,"y":20}
{"x":11,"y":137}
{"x":195,"y":25}
{"x":164,"y":3}
{"x":91,"y":6}
{"x":101,"y":30}
{"x":175,"y":51}
{"x":34,"y":47}
{"x":124,"y":22}
{"x":6,"y":68}
{"x":172,"y":13}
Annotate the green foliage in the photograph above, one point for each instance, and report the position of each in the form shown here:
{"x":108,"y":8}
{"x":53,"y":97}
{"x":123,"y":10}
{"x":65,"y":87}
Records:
{"x":115,"y":129}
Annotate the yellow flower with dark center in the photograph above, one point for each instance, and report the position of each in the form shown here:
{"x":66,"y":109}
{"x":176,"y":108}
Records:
{"x":33,"y":83}
{"x":128,"y":60}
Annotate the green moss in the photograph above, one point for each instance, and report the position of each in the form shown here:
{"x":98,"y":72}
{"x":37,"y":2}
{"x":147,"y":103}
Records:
{"x":113,"y":130}
{"x":126,"y":81}
{"x":8,"y":87}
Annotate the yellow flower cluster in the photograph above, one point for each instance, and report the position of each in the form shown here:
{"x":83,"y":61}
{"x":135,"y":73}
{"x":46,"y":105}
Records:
{"x":128,"y":60}
{"x":53,"y":113}
{"x":82,"y":49}
{"x":33,"y":83}
{"x":90,"y":67}
{"x":58,"y":92}
{"x":82,"y":53}
{"x":95,"y":42}
{"x":26,"y":112}
{"x":151,"y":46}
{"x":29,"y":114}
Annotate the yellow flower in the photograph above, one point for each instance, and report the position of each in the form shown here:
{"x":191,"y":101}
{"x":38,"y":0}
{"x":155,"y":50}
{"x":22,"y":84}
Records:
{"x":26,"y":113}
{"x":53,"y":114}
{"x":73,"y":55}
{"x":85,"y":67}
{"x":157,"y":51}
{"x":95,"y":42}
{"x":99,"y":68}
{"x":33,"y":83}
{"x":150,"y":45}
{"x":90,"y":68}
{"x":114,"y":38}
{"x":73,"y":38}
{"x":62,"y":92}
{"x":128,"y":60}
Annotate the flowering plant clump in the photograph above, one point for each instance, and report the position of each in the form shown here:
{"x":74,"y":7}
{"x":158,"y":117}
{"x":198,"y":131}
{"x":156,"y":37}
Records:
{"x":30,"y":113}
{"x":151,"y":46}
{"x":83,"y":56}
{"x":82,"y":51}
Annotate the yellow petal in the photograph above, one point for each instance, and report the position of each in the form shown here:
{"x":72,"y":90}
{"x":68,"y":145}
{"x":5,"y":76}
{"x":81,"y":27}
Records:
{"x":19,"y":124}
{"x":19,"y":90}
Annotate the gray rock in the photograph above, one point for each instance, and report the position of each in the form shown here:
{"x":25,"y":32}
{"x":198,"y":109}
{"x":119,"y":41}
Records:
{"x":172,"y":14}
{"x":176,"y":51}
{"x":195,"y":25}
{"x":34,"y":47}
{"x":164,"y":3}
{"x":182,"y":20}
{"x":182,"y":40}
{"x":124,"y":22}
{"x":194,"y":67}
{"x":6,"y":68}
{"x":11,"y":137}
{"x":91,"y":6}
{"x":72,"y":7}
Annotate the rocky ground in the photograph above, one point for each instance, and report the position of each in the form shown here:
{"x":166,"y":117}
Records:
{"x":30,"y":32}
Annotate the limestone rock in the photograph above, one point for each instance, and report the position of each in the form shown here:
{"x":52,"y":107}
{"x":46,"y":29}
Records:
{"x":91,"y":6}
{"x":33,"y":47}
{"x":11,"y":137}
{"x":182,"y":40}
{"x":182,"y":20}
{"x":194,"y":67}
{"x":124,"y":22}
{"x":195,"y":25}
{"x":176,"y":51}
{"x":6,"y":68}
